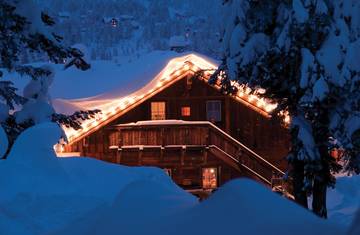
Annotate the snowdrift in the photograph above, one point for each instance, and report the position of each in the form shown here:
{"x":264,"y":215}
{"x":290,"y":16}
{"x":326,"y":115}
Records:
{"x":246,"y":207}
{"x":344,"y":200}
{"x":239,"y":207}
{"x":41,"y":193}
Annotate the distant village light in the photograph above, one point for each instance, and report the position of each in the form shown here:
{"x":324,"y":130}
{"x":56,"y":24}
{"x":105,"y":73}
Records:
{"x":114,"y":23}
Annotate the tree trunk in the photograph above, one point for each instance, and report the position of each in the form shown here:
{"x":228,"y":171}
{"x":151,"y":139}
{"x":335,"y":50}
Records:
{"x":298,"y":183}
{"x":322,"y":178}
{"x":319,"y":198}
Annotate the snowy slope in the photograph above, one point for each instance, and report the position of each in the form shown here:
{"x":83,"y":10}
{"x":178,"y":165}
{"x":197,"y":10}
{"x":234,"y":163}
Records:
{"x":41,"y":193}
{"x":344,"y":200}
{"x":239,"y":207}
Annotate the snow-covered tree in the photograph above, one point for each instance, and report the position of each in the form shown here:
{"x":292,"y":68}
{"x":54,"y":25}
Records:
{"x":303,"y":53}
{"x":25,"y":28}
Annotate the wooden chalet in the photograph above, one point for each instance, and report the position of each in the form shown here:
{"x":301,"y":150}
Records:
{"x":200,"y":137}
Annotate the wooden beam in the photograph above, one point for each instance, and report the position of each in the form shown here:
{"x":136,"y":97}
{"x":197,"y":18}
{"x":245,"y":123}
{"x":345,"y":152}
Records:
{"x":227,"y":115}
{"x":182,"y":158}
{"x":140,"y":153}
{"x":205,"y":156}
{"x":118,"y":156}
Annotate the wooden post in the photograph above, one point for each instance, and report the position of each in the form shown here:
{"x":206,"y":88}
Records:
{"x":140,"y":153}
{"x":163,"y":137}
{"x":182,"y":158}
{"x":161,"y":154}
{"x":118,"y":156}
{"x":205,"y":155}
{"x":227,"y":115}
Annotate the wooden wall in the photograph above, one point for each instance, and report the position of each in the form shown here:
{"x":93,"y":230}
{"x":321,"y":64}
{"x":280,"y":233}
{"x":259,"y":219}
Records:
{"x":264,"y":136}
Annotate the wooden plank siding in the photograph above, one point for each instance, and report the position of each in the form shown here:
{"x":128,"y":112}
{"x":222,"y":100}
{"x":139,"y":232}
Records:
{"x":263,"y":135}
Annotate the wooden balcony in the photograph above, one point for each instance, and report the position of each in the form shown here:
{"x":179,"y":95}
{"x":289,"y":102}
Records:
{"x":186,"y":135}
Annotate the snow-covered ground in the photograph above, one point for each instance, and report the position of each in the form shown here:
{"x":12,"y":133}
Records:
{"x":43,"y":194}
{"x":344,"y":200}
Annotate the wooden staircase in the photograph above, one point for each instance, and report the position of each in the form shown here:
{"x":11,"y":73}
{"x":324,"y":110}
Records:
{"x":203,"y":133}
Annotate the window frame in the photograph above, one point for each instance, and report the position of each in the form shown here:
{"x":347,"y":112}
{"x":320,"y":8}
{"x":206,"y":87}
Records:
{"x":209,"y":112}
{"x":184,"y":110}
{"x":158,"y":113}
{"x":205,"y":175}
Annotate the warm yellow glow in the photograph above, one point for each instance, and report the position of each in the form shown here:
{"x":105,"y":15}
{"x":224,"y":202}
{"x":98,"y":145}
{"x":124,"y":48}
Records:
{"x":287,"y":119}
{"x":251,"y":98}
{"x":131,"y":100}
{"x":270,"y":107}
{"x":159,"y":85}
{"x":195,"y":68}
{"x":260,"y":103}
{"x":186,"y":67}
{"x":177,"y":73}
{"x":171,"y":73}
{"x":59,"y":148}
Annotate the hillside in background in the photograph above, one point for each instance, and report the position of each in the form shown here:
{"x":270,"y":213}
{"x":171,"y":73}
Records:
{"x":112,"y":29}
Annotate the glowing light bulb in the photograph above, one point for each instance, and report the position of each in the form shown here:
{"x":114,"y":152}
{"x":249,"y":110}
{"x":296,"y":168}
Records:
{"x":259,"y":103}
{"x":268,"y":108}
{"x":287,"y":119}
{"x":159,"y":84}
{"x":251,"y":98}
{"x":177,"y":73}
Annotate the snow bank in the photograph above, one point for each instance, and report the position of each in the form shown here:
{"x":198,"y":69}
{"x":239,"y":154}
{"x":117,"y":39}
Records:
{"x":139,"y":208}
{"x":246,"y":207}
{"x":31,"y":161}
{"x":239,"y":207}
{"x":41,"y":193}
{"x":355,"y":228}
{"x":344,"y":200}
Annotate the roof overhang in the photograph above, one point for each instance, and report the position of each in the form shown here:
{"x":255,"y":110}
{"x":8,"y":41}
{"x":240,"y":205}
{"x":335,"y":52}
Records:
{"x":175,"y":70}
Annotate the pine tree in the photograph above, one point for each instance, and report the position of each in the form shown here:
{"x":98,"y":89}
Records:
{"x":299,"y":52}
{"x":23,"y":30}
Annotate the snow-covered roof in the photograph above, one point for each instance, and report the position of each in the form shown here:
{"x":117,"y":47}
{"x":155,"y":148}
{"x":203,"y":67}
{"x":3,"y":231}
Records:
{"x":154,"y":77}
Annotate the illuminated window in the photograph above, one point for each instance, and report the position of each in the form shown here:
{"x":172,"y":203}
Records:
{"x":209,"y":178}
{"x":185,"y":111}
{"x":158,"y":111}
{"x":213,"y":110}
